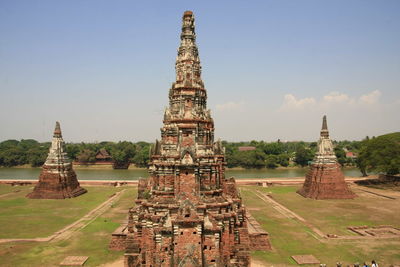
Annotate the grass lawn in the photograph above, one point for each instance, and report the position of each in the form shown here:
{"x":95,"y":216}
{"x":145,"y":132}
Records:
{"x":91,"y":241}
{"x":290,"y":237}
{"x":5,"y":189}
{"x":334,"y":216}
{"x":21,"y":217}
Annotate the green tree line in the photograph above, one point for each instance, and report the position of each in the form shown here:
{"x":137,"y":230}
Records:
{"x":264,"y":155}
{"x":377,"y":154}
{"x":281,"y":154}
{"x":14,"y":152}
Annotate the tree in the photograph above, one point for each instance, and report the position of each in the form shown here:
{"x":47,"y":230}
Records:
{"x":130,"y":151}
{"x":28,"y":143}
{"x":273,"y":148}
{"x":13,"y":157}
{"x":120,"y":158}
{"x":340,"y":154}
{"x":37,"y":159}
{"x":360,"y":163}
{"x":86,"y":156}
{"x":283,"y":160}
{"x":73,"y":150}
{"x":303,"y":156}
{"x":251,"y":159}
{"x":141,"y":157}
{"x":271,"y":161}
{"x":8,"y":144}
{"x":232,"y":158}
{"x":380,"y":154}
{"x":37,"y":156}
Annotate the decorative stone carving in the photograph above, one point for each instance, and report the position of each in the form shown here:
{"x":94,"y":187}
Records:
{"x":325,"y":179}
{"x":57,"y":179}
{"x":187,"y":212}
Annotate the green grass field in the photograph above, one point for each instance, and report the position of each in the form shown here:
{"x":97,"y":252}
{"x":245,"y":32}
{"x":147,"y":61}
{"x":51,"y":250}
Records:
{"x":91,"y":241}
{"x":291,"y":237}
{"x":21,"y":217}
{"x":334,"y":216}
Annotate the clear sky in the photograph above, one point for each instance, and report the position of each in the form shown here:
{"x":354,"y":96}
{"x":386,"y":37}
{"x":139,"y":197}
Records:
{"x":272,"y":68}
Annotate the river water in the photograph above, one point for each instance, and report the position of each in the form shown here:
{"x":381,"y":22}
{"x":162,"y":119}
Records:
{"x":134,"y":174}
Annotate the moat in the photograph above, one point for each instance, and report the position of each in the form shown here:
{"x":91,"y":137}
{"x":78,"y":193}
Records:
{"x":134,"y":174}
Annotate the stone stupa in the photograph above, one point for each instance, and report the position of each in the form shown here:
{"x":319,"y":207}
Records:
{"x":325,"y":179}
{"x":187,"y":213}
{"x":57,"y":179}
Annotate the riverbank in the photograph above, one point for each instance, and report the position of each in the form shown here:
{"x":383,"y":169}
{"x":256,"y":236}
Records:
{"x":103,"y":166}
{"x":136,"y":173}
{"x":243,"y":181}
{"x":109,"y":166}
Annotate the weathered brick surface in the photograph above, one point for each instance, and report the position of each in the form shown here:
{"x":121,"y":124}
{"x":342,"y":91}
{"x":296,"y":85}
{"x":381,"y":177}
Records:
{"x":187,"y":212}
{"x":259,"y":238}
{"x":57,"y":179}
{"x":260,"y":242}
{"x":325,"y":181}
{"x":118,"y":238}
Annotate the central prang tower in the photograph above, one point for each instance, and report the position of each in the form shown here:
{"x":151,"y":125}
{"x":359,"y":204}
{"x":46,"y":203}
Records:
{"x":187,"y":212}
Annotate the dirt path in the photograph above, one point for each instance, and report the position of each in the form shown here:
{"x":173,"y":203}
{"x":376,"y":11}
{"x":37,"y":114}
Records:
{"x":67,"y":231}
{"x":378,"y":192}
{"x":117,"y":263}
{"x":290,"y":214}
{"x":255,"y":263}
{"x":11,"y":193}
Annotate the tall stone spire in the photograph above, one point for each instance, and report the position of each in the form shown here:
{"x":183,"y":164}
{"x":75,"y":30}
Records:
{"x":324,"y":130}
{"x":57,"y":131}
{"x":57,"y":179}
{"x":188,"y":78}
{"x":187,"y":66}
{"x":187,"y":212}
{"x":325,"y":179}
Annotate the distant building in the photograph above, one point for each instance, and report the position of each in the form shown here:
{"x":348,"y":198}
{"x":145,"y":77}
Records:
{"x":103,"y":156}
{"x":351,"y":155}
{"x":247,"y":148}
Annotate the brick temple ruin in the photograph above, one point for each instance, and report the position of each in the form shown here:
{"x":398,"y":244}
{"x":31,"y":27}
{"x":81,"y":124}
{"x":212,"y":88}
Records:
{"x":187,"y":213}
{"x":325,"y":179}
{"x":57,"y":179}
